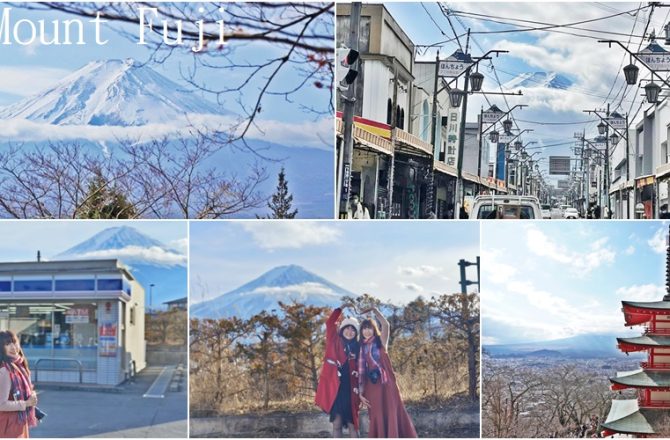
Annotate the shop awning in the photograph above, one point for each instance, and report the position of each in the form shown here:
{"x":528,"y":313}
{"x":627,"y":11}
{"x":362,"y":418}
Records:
{"x":411,"y":143}
{"x":472,"y":178}
{"x":367,"y":139}
{"x":622,"y":186}
{"x":444,"y":168}
{"x":644,"y":180}
{"x":625,"y":417}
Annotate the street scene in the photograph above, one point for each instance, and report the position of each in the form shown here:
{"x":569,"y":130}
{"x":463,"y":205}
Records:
{"x":96,"y":313}
{"x":531,"y":111}
{"x":574,"y":329}
{"x":311,"y":329}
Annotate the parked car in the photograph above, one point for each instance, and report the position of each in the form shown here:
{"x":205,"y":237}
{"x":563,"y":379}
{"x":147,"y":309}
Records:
{"x":570,"y":213}
{"x":546,"y":211}
{"x":506,"y":207}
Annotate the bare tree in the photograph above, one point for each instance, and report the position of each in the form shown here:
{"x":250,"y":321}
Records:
{"x":160,"y":179}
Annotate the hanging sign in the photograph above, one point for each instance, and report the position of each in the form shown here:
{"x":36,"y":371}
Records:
{"x":455,"y":65}
{"x":655,"y":57}
{"x":559,"y":165}
{"x":506,"y":138}
{"x":617,"y":123}
{"x":489,"y":117}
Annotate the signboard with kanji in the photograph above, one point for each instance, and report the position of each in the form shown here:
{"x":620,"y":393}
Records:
{"x":559,"y":165}
{"x":491,"y":117}
{"x":655,"y":57}
{"x":455,"y":65}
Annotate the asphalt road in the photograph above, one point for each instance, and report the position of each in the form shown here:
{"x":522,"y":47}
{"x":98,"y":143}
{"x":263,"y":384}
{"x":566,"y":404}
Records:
{"x":121,"y":413}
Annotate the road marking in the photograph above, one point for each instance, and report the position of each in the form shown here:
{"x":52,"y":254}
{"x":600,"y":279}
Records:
{"x":160,"y":385}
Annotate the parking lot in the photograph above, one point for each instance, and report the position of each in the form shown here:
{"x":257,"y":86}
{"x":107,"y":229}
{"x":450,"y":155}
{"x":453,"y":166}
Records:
{"x":122,"y":412}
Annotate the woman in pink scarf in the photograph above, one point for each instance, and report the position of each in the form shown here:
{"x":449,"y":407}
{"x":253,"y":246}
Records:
{"x":17,"y":398}
{"x":377,"y":384}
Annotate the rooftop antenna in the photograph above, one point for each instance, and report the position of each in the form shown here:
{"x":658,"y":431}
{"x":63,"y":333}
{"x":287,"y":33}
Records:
{"x":666,"y":297}
{"x":39,"y":256}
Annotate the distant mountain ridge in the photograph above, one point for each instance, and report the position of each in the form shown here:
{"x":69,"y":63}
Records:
{"x":149,"y":261}
{"x":283,"y":283}
{"x":550,"y":80}
{"x":111,"y":93}
{"x":590,"y":345}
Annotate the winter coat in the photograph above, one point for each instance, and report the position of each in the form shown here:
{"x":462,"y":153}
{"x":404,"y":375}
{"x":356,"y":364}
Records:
{"x":329,"y":381}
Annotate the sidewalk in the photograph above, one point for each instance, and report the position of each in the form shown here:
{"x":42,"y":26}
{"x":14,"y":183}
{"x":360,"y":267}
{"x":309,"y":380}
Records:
{"x":100,"y":413}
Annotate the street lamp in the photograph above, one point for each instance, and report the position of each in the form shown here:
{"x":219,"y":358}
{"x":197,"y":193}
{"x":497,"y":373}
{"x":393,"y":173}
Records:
{"x":666,"y":28}
{"x":518,"y":145}
{"x":494,"y":136}
{"x":652,"y":90}
{"x":630,"y":72}
{"x":455,"y":97}
{"x":476,"y":80}
{"x":151,"y":297}
{"x":614,"y":139}
{"x":601,"y":128}
{"x":507,"y":125}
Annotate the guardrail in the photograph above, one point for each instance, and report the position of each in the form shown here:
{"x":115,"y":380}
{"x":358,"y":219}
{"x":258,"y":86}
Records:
{"x":80,"y":366}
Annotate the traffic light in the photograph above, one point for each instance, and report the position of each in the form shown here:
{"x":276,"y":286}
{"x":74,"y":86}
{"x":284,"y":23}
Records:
{"x":346,"y":72}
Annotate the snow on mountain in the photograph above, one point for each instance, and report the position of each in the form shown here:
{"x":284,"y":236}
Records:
{"x":550,"y":80}
{"x":283,"y":283}
{"x":149,"y":260}
{"x":110,"y":93}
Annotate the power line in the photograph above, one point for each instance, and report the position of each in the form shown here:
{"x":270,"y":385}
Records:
{"x":559,"y":123}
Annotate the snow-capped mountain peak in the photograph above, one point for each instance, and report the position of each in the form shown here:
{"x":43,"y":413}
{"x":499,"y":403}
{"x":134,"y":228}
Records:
{"x":111,"y":92}
{"x":550,"y":80}
{"x":113,"y":238}
{"x":280,"y":284}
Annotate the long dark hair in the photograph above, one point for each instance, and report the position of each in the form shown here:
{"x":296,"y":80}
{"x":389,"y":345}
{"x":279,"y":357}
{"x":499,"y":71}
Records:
{"x":371,"y":323}
{"x":9,"y":337}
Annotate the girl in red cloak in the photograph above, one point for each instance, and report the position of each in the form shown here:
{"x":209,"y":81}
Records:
{"x":377,"y":383}
{"x":337,"y":392}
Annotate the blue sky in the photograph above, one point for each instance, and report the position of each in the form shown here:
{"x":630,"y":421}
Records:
{"x":52,"y":237}
{"x":592,"y":67}
{"x":551,"y":280}
{"x":391,"y":260}
{"x":27,"y":70}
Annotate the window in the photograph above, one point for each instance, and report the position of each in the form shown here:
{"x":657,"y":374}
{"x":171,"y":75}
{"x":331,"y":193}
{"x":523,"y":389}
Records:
{"x":389,"y":111}
{"x":132,"y":316}
{"x":74,"y":285}
{"x":33,"y":285}
{"x":5,"y":286}
{"x":107,"y":284}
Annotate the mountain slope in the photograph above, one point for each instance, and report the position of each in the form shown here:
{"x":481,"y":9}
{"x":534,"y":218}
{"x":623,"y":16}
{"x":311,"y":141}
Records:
{"x":550,"y":80}
{"x":110,"y":92}
{"x":149,"y":260}
{"x":589,"y":345}
{"x":283,"y":283}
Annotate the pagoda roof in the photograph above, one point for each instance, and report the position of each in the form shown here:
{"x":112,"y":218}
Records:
{"x":625,"y":417}
{"x":642,"y":379}
{"x":648,"y":341}
{"x":653,"y":305}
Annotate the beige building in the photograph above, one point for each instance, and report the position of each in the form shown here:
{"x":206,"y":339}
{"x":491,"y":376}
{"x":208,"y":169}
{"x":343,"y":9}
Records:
{"x":79,"y":321}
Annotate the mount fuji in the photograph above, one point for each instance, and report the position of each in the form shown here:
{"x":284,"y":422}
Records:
{"x":550,"y":80}
{"x":149,"y":260}
{"x":111,"y":93}
{"x":283,"y":283}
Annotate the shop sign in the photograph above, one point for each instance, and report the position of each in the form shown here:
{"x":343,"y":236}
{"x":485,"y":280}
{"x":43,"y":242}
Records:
{"x":491,"y":117}
{"x":76,"y":316}
{"x":655,"y":57}
{"x":559,"y":165}
{"x":107,"y":340}
{"x":616,"y":123}
{"x":455,"y":65}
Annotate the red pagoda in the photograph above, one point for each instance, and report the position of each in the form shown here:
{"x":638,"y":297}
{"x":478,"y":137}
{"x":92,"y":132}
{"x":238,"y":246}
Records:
{"x":641,"y":417}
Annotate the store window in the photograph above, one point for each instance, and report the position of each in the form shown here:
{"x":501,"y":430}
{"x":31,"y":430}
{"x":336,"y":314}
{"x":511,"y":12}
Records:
{"x":62,"y":331}
{"x":33,"y":285}
{"x":110,"y":284}
{"x":5,"y":286}
{"x":75,"y":285}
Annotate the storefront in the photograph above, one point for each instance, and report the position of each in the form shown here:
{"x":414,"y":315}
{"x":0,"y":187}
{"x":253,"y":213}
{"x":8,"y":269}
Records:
{"x":413,"y":177}
{"x":445,"y":190}
{"x":645,"y":194}
{"x":77,"y":321}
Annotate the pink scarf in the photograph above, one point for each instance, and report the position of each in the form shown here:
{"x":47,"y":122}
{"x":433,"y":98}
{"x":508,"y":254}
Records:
{"x":22,"y":389}
{"x":370,"y":360}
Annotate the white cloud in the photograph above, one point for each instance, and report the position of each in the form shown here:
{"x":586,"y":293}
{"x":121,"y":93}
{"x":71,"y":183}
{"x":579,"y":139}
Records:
{"x":17,"y":80}
{"x":497,"y":272}
{"x":630,"y":250}
{"x":643,"y":292}
{"x":581,"y":263}
{"x":304,"y":134}
{"x":419,"y":271}
{"x":300,"y":289}
{"x":411,"y":286}
{"x":180,"y":245}
{"x":657,"y":242}
{"x":291,"y":235}
{"x":153,"y":254}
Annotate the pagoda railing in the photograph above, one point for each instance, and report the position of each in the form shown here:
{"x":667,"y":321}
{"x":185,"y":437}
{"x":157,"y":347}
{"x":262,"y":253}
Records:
{"x":658,"y":331}
{"x":655,"y":366}
{"x":653,"y":404}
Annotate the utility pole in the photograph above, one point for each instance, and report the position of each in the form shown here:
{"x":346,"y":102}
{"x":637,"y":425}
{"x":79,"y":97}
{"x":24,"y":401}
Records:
{"x":464,"y":281}
{"x":607,"y":165}
{"x":349,"y":98}
{"x":460,"y":193}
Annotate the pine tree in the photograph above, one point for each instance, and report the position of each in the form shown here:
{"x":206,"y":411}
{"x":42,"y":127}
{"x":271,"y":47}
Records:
{"x":105,"y":202}
{"x":280,"y":204}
